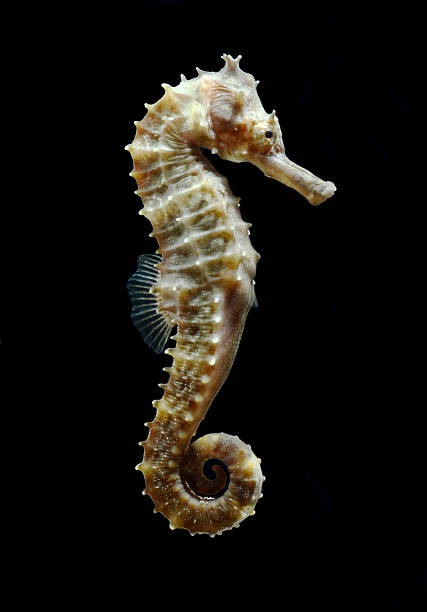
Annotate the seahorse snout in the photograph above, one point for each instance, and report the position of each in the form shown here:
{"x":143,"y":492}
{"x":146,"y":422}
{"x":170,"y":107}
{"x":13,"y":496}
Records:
{"x":279,"y":167}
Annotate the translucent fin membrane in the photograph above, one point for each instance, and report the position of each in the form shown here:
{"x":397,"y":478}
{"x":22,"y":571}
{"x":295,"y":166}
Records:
{"x":153,"y":326}
{"x":255,"y":303}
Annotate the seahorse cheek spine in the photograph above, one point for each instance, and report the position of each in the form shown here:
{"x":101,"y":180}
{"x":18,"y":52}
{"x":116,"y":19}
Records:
{"x":204,"y":284}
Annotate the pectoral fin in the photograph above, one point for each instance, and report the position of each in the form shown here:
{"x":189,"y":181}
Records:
{"x":154,"y":326}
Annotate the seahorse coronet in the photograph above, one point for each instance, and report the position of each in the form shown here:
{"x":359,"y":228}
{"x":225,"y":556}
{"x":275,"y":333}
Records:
{"x":201,"y":281}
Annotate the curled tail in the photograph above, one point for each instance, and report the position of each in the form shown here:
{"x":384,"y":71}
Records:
{"x":182,"y":492}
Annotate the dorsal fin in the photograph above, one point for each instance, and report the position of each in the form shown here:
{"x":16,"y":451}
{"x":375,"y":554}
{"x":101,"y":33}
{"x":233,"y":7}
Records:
{"x":153,"y":326}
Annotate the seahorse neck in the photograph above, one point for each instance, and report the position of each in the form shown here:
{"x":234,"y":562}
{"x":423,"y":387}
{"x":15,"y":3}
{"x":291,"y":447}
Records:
{"x":165,"y":161}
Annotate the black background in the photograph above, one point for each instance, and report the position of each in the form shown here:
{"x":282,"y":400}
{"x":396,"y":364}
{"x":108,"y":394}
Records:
{"x":324,"y":382}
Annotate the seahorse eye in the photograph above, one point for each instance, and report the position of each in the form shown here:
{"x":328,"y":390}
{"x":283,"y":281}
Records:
{"x":268,"y":134}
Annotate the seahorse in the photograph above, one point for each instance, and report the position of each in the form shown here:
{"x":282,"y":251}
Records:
{"x":201,"y":280}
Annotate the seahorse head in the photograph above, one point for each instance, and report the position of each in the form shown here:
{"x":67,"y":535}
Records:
{"x":239,"y":129}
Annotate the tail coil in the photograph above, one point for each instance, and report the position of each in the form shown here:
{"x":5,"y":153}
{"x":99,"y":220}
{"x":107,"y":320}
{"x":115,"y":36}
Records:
{"x":191,"y":500}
